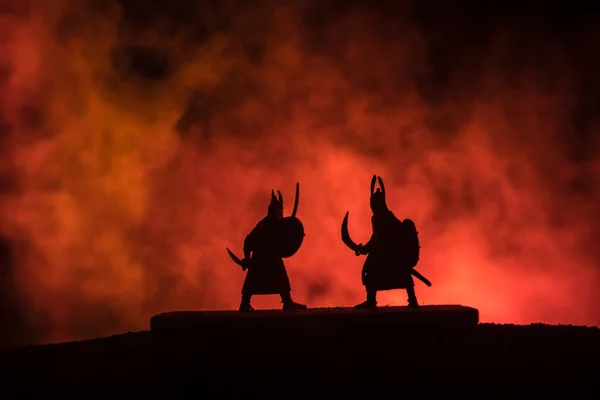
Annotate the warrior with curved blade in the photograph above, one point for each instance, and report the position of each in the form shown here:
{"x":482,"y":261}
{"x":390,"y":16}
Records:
{"x":271,"y":240}
{"x":392,"y":251}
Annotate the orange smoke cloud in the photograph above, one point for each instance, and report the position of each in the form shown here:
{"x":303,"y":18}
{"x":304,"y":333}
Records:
{"x":136,"y":150}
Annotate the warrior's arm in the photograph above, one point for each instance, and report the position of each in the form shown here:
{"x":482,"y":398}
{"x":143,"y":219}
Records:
{"x":366,"y":248}
{"x":253,"y":239}
{"x":250,"y":243}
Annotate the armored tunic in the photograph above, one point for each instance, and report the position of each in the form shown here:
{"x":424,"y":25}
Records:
{"x":388,"y":265}
{"x":267,"y":273}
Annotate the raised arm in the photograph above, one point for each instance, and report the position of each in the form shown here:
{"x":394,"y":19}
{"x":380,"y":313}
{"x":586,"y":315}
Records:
{"x":366,"y":248}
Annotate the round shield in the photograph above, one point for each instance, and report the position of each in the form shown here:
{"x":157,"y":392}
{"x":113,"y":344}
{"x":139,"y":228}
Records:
{"x":290,"y":236}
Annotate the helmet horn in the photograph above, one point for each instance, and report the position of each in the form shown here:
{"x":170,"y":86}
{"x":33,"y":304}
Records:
{"x":373,"y":184}
{"x":381,"y":185}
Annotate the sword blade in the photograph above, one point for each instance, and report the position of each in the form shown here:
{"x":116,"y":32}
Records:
{"x":234,"y":258}
{"x":420,"y":277}
{"x":346,"y":235}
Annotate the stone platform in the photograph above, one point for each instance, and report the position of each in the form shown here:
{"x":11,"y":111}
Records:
{"x":320,"y":322}
{"x":311,"y":343}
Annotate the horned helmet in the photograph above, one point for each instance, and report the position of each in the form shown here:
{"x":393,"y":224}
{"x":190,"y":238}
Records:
{"x":276,"y":205}
{"x":377,"y":200}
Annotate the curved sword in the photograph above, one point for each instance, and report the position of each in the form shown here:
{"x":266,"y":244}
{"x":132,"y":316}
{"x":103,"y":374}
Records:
{"x":346,"y":235}
{"x":236,"y":259}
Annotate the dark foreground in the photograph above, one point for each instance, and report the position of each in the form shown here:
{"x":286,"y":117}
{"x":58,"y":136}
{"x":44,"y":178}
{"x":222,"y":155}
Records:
{"x":316,"y":354}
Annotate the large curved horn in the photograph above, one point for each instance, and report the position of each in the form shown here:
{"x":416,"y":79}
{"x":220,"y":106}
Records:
{"x":280,"y":198}
{"x":346,"y":235}
{"x":273,"y":195}
{"x":373,"y":184}
{"x":381,"y":185}
{"x":296,"y":199}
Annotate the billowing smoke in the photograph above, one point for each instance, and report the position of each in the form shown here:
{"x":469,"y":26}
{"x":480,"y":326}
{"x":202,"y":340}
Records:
{"x":138,"y":143}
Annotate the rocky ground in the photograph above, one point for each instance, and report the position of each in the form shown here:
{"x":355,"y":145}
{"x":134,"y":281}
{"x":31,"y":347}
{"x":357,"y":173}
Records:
{"x":369,"y":360}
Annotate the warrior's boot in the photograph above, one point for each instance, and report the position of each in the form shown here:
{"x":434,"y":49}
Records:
{"x":412,"y":297}
{"x":289,"y":304}
{"x":245,"y":304}
{"x":371,"y":302}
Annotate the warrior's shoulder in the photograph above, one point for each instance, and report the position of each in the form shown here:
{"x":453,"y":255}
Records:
{"x":263,"y":221}
{"x":387,"y":217}
{"x":409,"y":223}
{"x":262,"y":224}
{"x":392,"y":217}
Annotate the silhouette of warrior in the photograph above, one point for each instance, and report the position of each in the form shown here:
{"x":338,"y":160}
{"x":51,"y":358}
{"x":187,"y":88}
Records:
{"x":392,"y":251}
{"x":271,"y":240}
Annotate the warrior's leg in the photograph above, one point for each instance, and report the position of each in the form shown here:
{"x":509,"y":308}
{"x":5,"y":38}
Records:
{"x":245,"y":304}
{"x":371,"y":300}
{"x":289,"y":304}
{"x":412,"y":297}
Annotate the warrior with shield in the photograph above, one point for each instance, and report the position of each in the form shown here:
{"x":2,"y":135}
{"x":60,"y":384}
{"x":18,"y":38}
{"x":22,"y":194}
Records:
{"x":392,"y":251}
{"x":274,"y":237}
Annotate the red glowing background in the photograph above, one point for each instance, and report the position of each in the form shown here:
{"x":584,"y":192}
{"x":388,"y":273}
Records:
{"x":121,"y":190}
